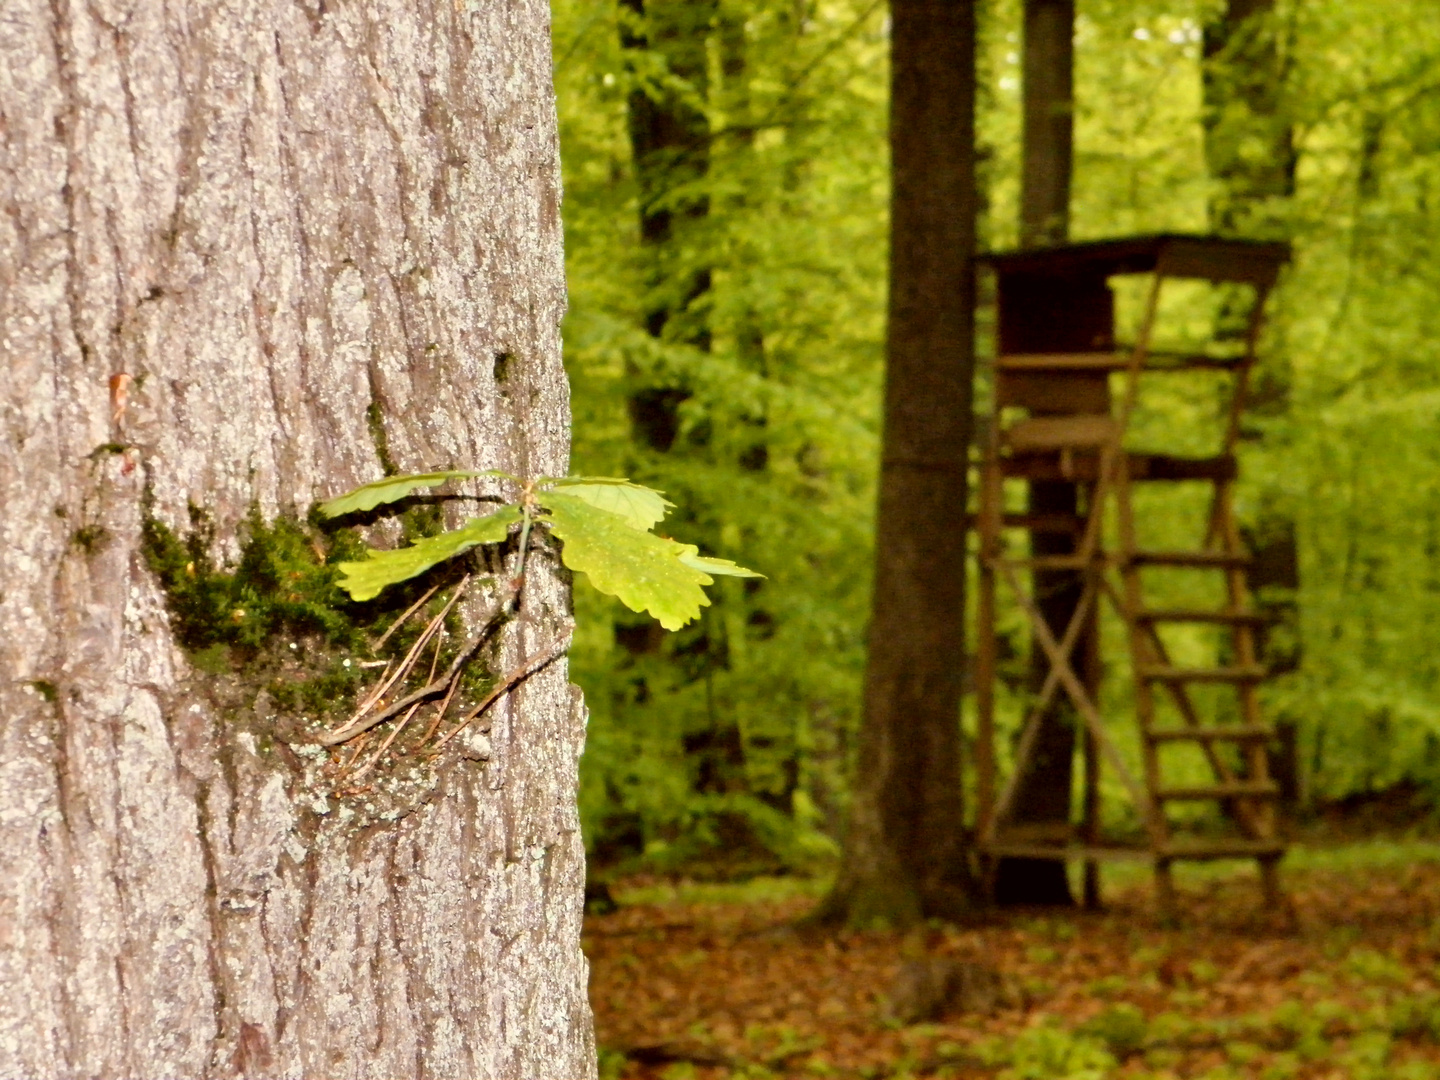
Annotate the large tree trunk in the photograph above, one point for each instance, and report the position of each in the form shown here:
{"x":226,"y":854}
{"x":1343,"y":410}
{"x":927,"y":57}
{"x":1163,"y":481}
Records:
{"x":905,"y":854}
{"x":312,"y":236}
{"x":1044,"y":792}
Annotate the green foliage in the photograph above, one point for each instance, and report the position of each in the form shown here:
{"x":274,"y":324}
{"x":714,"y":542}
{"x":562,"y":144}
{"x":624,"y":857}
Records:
{"x":640,"y":507}
{"x":603,"y":522}
{"x":732,"y":735}
{"x":1122,"y":1028}
{"x":365,"y":578}
{"x":390,"y":489}
{"x":1048,"y":1052}
{"x":773,"y":371}
{"x":643,"y":570}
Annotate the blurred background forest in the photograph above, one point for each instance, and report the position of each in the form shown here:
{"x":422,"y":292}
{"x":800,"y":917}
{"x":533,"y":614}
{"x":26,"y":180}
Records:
{"x":726,"y":201}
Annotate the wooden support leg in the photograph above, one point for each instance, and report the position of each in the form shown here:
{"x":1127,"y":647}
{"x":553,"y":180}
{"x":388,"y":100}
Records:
{"x":1270,"y":883}
{"x":1165,"y":891}
{"x":1091,"y":893}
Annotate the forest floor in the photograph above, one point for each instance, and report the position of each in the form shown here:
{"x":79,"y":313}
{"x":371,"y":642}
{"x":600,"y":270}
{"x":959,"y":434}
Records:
{"x":693,"y":981}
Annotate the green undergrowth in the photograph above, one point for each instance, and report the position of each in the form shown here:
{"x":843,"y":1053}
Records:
{"x":756,"y":890}
{"x":690,"y":884}
{"x":1122,"y":1041}
{"x":1374,"y":853}
{"x":1123,"y":1044}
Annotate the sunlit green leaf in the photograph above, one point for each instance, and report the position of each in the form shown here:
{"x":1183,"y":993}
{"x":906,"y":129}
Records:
{"x":364,"y":579}
{"x":642,"y":569}
{"x":642,"y":507}
{"x":718,"y":567}
{"x":393,"y":488}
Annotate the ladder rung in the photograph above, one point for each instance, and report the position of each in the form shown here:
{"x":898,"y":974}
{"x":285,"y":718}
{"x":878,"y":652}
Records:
{"x":1198,"y":850}
{"x":1059,"y":432}
{"x":1080,"y":361}
{"x":1202,"y":559}
{"x":1240,"y":789}
{"x":1052,"y":523}
{"x":1171,"y":360}
{"x":1166,"y":673}
{"x":1230,"y":732}
{"x":1099,"y":852}
{"x":1050,"y":562}
{"x":1084,"y":466}
{"x":1221,"y":848}
{"x":1114,"y":361}
{"x":1036,"y":832}
{"x":1182,"y":615}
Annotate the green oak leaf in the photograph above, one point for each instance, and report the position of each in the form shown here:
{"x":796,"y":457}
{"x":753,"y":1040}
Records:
{"x":392,"y":488}
{"x":719,"y":567}
{"x":642,"y":507}
{"x":364,"y":579}
{"x":642,"y":569}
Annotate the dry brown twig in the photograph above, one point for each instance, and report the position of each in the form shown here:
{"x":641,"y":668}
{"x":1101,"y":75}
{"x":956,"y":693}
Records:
{"x":359,"y":728}
{"x":527,"y":667}
{"x":360,"y":722}
{"x":447,"y":684}
{"x":375,"y":757}
{"x":401,"y":620}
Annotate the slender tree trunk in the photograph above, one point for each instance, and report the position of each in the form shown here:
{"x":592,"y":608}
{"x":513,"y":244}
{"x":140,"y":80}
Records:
{"x":1044,"y":792}
{"x":670,"y":148}
{"x":1249,"y":145}
{"x":1250,"y":150}
{"x":905,"y":854}
{"x":1048,"y":84}
{"x":670,"y":139}
{"x":248,"y":251}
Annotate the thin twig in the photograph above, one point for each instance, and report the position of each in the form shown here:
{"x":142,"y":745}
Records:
{"x":359,"y":749}
{"x":355,"y":723}
{"x":529,"y":667}
{"x":434,"y":624}
{"x":425,"y":693}
{"x":374,"y":696}
{"x":440,"y":714}
{"x":401,"y":620}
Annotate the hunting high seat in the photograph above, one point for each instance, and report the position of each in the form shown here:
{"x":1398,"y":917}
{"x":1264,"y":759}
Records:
{"x":1066,"y":397}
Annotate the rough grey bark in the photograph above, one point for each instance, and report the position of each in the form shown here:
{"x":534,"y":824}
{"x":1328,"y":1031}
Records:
{"x":905,"y":852}
{"x":271,"y":216}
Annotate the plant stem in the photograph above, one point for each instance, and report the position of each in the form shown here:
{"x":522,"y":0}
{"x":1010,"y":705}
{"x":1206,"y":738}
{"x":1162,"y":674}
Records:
{"x":524,"y":541}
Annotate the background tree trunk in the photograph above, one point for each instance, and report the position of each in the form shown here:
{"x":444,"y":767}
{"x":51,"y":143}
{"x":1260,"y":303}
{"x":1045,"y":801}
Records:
{"x":1250,"y":152}
{"x":905,"y":853}
{"x":308,"y":233}
{"x":1044,"y":791}
{"x":1048,"y":150}
{"x":670,"y":148}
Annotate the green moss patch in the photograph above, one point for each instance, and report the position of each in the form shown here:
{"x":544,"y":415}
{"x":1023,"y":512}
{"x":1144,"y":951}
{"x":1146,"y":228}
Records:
{"x":277,"y":619}
{"x":284,"y":583}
